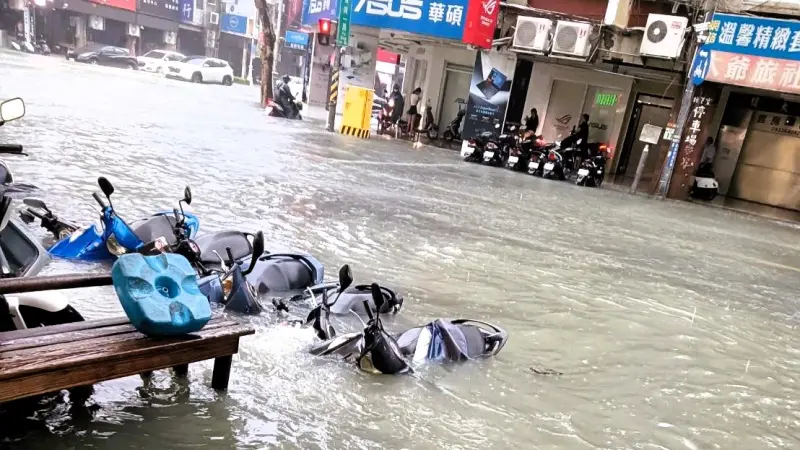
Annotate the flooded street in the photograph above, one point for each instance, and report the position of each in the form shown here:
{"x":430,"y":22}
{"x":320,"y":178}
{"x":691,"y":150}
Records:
{"x":675,"y":325}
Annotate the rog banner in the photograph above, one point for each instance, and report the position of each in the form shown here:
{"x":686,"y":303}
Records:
{"x":489,"y":92}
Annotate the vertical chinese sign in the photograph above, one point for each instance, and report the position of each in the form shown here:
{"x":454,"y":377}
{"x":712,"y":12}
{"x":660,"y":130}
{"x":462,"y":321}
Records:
{"x":755,"y":52}
{"x":343,"y":27}
{"x":690,"y":146}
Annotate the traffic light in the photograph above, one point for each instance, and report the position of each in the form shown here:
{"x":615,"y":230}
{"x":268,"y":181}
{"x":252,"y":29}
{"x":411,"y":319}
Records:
{"x":324,"y":35}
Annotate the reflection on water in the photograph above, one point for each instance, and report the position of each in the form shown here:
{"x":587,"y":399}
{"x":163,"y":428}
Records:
{"x":674,"y":325}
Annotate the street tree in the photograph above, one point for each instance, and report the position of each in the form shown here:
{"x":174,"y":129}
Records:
{"x":268,"y":45}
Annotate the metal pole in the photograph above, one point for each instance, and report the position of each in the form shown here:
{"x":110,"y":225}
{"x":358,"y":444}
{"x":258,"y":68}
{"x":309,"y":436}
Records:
{"x":333,"y":89}
{"x":683,"y":115}
{"x":640,"y":168}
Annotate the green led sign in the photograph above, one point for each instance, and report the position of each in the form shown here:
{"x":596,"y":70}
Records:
{"x":601,"y":99}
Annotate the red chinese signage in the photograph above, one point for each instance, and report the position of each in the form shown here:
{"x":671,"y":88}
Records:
{"x":130,"y":5}
{"x":481,"y":22}
{"x":760,"y":72}
{"x":388,"y":57}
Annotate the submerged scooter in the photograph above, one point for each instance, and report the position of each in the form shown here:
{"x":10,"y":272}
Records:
{"x":117,"y":237}
{"x":21,"y":255}
{"x":276,"y":110}
{"x":374,"y":350}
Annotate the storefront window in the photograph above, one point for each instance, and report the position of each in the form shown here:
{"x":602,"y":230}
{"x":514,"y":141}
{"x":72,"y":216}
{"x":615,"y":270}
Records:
{"x":602,"y":106}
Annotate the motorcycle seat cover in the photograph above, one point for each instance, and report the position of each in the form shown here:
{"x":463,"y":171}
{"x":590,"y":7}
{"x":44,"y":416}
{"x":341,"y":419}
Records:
{"x":160,"y":294}
{"x":219,"y":241}
{"x":155,"y":227}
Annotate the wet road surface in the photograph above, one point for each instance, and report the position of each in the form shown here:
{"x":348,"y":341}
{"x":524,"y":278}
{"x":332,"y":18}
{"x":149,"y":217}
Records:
{"x":675,"y":325}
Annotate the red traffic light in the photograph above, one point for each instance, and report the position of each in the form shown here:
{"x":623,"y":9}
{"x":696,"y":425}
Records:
{"x":324,"y":26}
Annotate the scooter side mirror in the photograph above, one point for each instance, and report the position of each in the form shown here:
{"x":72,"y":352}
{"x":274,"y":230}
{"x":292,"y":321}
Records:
{"x":377,"y":296}
{"x":105,"y":186}
{"x":187,"y":195}
{"x":12,"y":109}
{"x":35,"y":203}
{"x":258,"y":250}
{"x":345,"y":278}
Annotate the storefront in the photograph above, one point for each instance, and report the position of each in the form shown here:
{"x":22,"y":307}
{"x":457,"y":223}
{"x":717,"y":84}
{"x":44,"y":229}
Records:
{"x":78,"y":22}
{"x":158,"y":25}
{"x":561,"y":94}
{"x":191,"y":35}
{"x":757,"y":130}
{"x":433,"y":38}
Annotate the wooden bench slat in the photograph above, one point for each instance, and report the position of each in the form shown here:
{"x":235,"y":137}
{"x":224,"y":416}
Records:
{"x":121,"y":346}
{"x":90,"y":372}
{"x":64,"y":328}
{"x":83,"y":334}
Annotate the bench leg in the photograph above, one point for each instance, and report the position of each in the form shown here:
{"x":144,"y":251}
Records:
{"x":222,"y":372}
{"x":181,"y":371}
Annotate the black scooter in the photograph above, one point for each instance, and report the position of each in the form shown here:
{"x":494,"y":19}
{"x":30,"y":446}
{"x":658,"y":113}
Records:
{"x":276,"y":110}
{"x":592,"y":170}
{"x":375,"y":350}
{"x":479,"y":146}
{"x":452,"y":133}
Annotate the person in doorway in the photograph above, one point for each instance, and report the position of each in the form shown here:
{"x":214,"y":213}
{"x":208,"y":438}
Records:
{"x":532,"y":123}
{"x":707,"y":160}
{"x":397,"y":101}
{"x":413,"y":112}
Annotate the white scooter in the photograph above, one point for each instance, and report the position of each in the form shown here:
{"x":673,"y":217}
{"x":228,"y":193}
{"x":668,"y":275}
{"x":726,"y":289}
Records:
{"x":705,"y":185}
{"x":21,"y":255}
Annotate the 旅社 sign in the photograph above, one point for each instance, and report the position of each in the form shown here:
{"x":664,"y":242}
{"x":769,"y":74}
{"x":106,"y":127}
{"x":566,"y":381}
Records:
{"x":750,"y":51}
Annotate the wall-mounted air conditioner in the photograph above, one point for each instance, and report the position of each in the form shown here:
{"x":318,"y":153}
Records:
{"x":532,"y":34}
{"x":663,"y":36}
{"x":133,"y":30}
{"x":572,"y":39}
{"x":213,"y":18}
{"x":97,"y":23}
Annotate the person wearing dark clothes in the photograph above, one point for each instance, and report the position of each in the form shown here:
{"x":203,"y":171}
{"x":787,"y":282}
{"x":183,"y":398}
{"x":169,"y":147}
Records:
{"x":580,"y":133}
{"x":532,"y":122}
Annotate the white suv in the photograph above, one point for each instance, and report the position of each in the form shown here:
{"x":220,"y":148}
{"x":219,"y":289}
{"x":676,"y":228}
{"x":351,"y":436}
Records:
{"x":200,"y":69}
{"x":157,"y":60}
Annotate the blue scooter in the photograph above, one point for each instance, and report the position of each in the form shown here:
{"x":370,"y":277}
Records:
{"x":117,"y":237}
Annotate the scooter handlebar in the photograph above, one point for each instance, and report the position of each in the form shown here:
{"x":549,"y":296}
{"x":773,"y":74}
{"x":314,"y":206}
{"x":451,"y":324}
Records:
{"x":98,"y":199}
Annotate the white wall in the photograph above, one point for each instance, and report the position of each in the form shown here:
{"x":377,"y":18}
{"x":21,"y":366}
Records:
{"x":320,"y":74}
{"x":542,"y":80}
{"x":358,"y":62}
{"x":433,"y":83}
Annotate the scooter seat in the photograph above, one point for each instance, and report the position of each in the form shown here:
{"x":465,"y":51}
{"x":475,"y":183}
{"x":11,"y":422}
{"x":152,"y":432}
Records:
{"x":219,"y":242}
{"x":155,"y":227}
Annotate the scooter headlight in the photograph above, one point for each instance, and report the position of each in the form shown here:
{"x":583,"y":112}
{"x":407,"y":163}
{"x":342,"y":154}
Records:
{"x":114,"y":247}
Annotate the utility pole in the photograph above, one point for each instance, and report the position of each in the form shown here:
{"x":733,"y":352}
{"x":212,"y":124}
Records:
{"x":683,"y":114}
{"x":333,"y":89}
{"x":342,"y":39}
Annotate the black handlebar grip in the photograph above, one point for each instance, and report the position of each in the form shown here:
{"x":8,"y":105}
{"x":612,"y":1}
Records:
{"x":98,"y":199}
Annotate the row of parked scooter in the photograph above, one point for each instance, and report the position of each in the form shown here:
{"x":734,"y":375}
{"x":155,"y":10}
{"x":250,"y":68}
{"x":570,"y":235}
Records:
{"x":234,"y":270}
{"x":523,"y":151}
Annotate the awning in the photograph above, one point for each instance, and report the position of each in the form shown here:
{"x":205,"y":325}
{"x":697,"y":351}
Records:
{"x":156,"y":22}
{"x":190,"y":27}
{"x":82,"y":6}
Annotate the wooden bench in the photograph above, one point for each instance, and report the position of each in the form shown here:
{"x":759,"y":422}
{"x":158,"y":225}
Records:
{"x":49,"y":359}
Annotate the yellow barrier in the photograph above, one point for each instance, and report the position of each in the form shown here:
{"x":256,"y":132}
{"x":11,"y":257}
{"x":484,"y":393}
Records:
{"x":357,"y":111}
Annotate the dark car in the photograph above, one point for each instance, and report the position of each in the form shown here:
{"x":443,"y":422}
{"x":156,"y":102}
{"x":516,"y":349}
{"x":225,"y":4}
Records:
{"x":104,"y":55}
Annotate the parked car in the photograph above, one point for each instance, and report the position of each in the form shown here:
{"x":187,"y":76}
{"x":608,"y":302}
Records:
{"x":104,"y":55}
{"x":200,"y":69}
{"x":157,"y":60}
